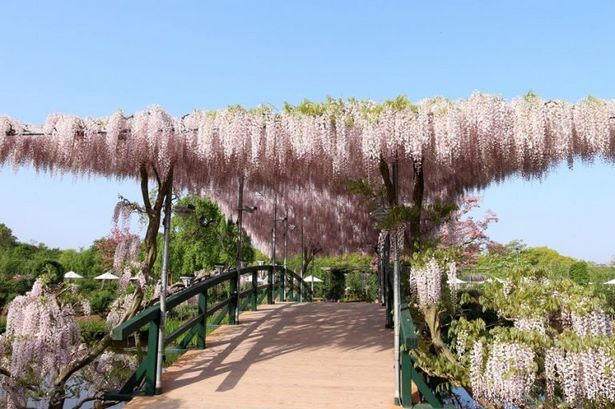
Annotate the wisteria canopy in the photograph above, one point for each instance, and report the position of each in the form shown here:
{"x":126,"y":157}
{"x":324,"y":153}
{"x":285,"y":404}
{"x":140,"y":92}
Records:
{"x":306,"y":152}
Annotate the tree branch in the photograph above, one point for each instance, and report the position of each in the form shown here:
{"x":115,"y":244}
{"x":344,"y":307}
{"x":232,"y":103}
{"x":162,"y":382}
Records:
{"x":388,"y":183}
{"x":145,"y":188}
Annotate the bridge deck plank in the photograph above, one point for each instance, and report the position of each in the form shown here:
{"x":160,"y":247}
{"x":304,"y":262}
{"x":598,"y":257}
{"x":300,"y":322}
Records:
{"x":318,"y":355}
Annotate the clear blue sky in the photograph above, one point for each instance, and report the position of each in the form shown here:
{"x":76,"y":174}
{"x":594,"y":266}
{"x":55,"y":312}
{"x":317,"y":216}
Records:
{"x":91,"y":58}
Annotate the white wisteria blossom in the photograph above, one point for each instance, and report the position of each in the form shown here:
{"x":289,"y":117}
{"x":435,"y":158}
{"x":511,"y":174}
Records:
{"x":506,"y":375}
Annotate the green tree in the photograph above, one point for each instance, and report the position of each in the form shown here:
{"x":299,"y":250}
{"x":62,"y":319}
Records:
{"x":7,"y":239}
{"x":203,"y":238}
{"x":578,"y":273}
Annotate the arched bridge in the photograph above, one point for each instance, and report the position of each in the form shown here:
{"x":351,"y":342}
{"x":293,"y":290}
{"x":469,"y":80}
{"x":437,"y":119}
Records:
{"x":286,"y":353}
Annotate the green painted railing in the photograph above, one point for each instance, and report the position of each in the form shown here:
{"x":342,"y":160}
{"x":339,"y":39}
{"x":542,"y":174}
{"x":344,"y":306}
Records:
{"x":143,"y":380}
{"x":409,"y":374}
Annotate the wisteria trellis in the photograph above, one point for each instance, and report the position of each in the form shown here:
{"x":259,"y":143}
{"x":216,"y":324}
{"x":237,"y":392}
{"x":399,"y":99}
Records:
{"x":305,"y":152}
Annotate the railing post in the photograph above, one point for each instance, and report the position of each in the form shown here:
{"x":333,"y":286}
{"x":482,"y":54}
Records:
{"x":406,"y":379}
{"x":280,"y":282}
{"x":291,"y":288}
{"x":201,"y":327}
{"x":234,"y":298}
{"x":151,"y":357}
{"x":254,"y":290}
{"x":270,"y":285}
{"x":388,"y":293}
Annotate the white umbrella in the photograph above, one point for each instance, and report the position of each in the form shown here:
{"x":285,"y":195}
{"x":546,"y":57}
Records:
{"x":107,"y":276}
{"x":72,"y":274}
{"x":456,"y":281}
{"x":611,"y":282}
{"x":312,"y":279}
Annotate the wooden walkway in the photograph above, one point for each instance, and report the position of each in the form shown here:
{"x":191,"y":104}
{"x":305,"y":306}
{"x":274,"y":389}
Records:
{"x":291,"y":356}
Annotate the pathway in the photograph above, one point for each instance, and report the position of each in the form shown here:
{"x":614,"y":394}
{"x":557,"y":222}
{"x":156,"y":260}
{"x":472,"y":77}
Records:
{"x":290,"y":356}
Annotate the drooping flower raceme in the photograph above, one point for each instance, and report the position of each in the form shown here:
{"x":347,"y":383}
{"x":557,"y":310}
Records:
{"x":587,"y":374}
{"x":461,"y":144}
{"x":505,"y":375}
{"x":428,"y":283}
{"x":42,"y":336}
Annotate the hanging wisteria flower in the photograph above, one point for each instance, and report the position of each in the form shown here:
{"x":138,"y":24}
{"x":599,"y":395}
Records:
{"x":41,"y":337}
{"x":506,"y":375}
{"x":312,"y":147}
{"x":428,"y":282}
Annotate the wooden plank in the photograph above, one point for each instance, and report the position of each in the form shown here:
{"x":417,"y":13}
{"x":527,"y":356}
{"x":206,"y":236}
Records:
{"x":300,"y":356}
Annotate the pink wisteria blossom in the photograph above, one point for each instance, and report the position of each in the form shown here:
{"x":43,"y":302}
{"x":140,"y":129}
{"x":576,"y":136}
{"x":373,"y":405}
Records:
{"x":308,"y":154}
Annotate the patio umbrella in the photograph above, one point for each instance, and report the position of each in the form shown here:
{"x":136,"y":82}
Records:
{"x":72,"y":274}
{"x":611,"y":282}
{"x":312,"y":280}
{"x":456,"y":281}
{"x":106,"y":276}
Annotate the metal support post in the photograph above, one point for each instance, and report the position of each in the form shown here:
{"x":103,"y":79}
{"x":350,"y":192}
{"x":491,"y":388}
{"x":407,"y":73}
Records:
{"x":271,"y":275}
{"x":283,"y":279}
{"x":164,"y":284}
{"x":396,"y":290}
{"x":234,"y":305}
{"x":302,"y":266}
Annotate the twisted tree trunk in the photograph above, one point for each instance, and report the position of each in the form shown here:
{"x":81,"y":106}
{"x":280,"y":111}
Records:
{"x":153,"y":212}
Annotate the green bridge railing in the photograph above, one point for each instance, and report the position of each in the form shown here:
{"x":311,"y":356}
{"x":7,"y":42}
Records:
{"x":409,"y":374}
{"x":143,"y":380}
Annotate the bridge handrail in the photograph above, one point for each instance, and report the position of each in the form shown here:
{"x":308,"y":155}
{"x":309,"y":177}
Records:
{"x":195,"y":326}
{"x":408,"y":340}
{"x":124,"y":330}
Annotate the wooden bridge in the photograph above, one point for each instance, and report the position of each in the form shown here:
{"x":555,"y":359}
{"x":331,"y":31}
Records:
{"x":311,"y":355}
{"x":276,"y":355}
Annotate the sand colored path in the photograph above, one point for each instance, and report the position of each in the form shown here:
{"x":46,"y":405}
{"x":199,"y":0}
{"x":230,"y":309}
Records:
{"x":291,"y":356}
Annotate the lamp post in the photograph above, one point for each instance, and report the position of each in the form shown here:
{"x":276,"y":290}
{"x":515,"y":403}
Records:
{"x":163,"y":290}
{"x":164,"y":274}
{"x":274,"y":221}
{"x":291,"y":286}
{"x":302,"y":264}
{"x":286,"y":227}
{"x":235,"y":283}
{"x":396,"y":291}
{"x":271,"y":275}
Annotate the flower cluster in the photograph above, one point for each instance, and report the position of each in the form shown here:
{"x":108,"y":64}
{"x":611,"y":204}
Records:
{"x":118,"y":309}
{"x":597,"y":322}
{"x":312,"y":147}
{"x":505,"y":375}
{"x":588,"y":374}
{"x":530,"y":324}
{"x":428,"y":283}
{"x":41,"y":338}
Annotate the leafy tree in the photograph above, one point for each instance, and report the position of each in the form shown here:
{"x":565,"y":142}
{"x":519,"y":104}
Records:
{"x":578,"y":272}
{"x":203,"y":238}
{"x":7,"y":240}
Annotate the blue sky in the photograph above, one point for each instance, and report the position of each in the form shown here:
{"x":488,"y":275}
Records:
{"x":91,"y":58}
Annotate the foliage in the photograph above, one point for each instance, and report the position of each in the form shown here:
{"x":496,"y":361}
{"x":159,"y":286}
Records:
{"x":22,"y":263}
{"x":529,"y":338}
{"x":202,"y":239}
{"x":92,"y":329}
{"x":101,"y":300}
{"x":348,"y":277}
{"x":31,"y":356}
{"x":578,"y":272}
